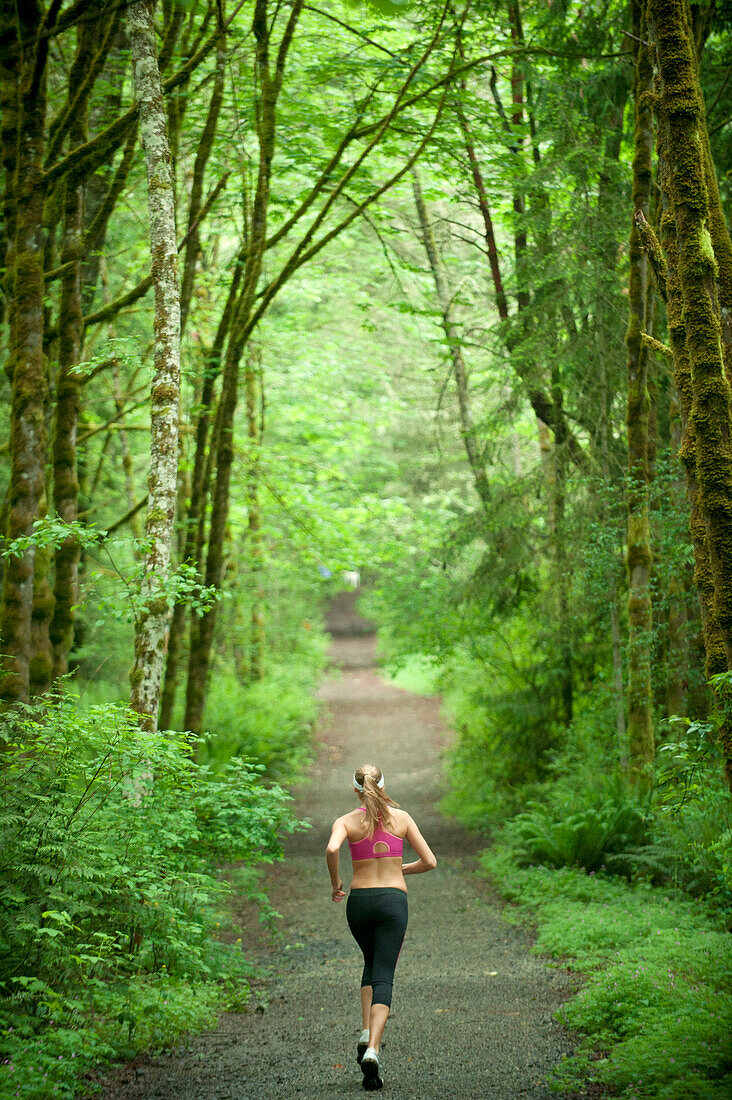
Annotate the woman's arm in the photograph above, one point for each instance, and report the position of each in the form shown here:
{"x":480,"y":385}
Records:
{"x":427,"y":860}
{"x":332,"y":857}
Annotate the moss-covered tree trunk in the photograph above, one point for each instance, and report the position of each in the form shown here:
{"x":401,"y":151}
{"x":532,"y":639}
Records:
{"x":681,"y":112}
{"x":714,"y":646}
{"x":26,"y":367}
{"x":640,"y":611}
{"x":150,"y":628}
{"x":714,"y":642}
{"x":68,"y":391}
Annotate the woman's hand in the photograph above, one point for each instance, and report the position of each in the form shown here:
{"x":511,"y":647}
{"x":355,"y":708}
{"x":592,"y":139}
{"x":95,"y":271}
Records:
{"x":338,"y":893}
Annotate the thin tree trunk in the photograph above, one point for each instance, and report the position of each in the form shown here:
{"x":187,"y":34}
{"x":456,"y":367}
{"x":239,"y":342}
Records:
{"x":520,"y":241}
{"x":202,"y":629}
{"x":26,"y":366}
{"x":640,"y":610}
{"x":253,"y":377}
{"x":40,"y":669}
{"x":452,"y":336}
{"x":562,"y":575}
{"x":606,"y":326}
{"x":150,"y":629}
{"x":68,"y":391}
{"x":540,"y":401}
{"x":127,"y":462}
{"x":203,"y":153}
{"x":200,"y":487}
{"x":100,"y":195}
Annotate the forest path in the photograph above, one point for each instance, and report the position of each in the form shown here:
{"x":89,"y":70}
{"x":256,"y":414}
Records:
{"x":472,"y":1009}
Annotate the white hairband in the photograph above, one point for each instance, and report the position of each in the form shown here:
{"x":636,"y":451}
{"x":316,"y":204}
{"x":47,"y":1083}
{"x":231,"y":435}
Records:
{"x":359,"y":786}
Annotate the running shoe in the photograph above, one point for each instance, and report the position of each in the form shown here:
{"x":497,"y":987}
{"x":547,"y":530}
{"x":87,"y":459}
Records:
{"x":362,"y":1045}
{"x":373,"y":1078}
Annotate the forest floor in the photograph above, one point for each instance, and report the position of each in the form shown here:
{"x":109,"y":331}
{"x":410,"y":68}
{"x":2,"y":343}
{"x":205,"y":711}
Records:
{"x":472,"y":1009}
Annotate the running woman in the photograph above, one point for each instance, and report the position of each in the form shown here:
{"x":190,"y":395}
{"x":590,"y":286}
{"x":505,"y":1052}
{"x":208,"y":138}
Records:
{"x":377,"y":904}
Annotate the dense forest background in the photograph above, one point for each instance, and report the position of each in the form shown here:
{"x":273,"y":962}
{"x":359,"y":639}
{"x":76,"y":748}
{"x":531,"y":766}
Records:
{"x":436,"y":292}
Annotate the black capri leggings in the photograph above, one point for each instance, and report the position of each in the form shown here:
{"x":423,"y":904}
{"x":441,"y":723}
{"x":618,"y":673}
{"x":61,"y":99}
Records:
{"x":377,"y":917}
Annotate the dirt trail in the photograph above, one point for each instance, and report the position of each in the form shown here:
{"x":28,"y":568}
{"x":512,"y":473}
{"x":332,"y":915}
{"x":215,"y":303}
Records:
{"x":471,"y":1015}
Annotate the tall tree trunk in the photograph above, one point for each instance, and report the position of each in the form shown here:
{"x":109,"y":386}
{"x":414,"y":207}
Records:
{"x":26,"y":366}
{"x":40,"y":668}
{"x":150,"y":628}
{"x":640,"y":610}
{"x":203,"y":153}
{"x":520,"y":241}
{"x":270,"y":83}
{"x":677,"y":679}
{"x":70,"y":334}
{"x":202,"y":628}
{"x":562,"y":573}
{"x":200,"y":487}
{"x":681,"y":111}
{"x":253,"y":377}
{"x":714,"y":642}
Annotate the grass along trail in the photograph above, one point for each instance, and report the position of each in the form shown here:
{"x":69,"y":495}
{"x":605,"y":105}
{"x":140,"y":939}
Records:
{"x":472,"y":1008}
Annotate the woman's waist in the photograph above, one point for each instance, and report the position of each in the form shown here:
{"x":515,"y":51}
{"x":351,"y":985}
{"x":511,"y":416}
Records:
{"x":378,"y":889}
{"x":378,"y":873}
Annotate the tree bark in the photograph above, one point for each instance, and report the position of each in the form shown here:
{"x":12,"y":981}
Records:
{"x":150,"y":629}
{"x":714,"y":642}
{"x":68,"y":391}
{"x":200,"y":487}
{"x":253,"y":377}
{"x":639,"y":559}
{"x":681,"y":111}
{"x":26,"y":366}
{"x":203,"y":153}
{"x":562,"y":574}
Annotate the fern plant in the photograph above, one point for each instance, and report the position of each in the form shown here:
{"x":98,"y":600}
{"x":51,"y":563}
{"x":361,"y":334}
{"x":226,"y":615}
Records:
{"x":568,"y":834}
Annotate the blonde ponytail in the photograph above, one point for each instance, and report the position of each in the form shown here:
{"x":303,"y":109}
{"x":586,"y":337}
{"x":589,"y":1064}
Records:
{"x":376,"y":801}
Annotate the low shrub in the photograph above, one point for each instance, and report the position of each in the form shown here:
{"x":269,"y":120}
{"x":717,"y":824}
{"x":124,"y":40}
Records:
{"x":658,"y":972}
{"x":111,"y":906}
{"x":270,"y":721}
{"x":581,"y":828}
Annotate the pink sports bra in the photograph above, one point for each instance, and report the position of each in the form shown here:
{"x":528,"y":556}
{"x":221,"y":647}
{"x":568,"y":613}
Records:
{"x":364,"y":849}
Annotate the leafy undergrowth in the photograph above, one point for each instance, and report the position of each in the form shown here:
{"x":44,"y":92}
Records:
{"x":658,"y":976}
{"x":113,"y":901}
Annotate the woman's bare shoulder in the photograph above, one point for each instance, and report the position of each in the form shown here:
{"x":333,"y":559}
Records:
{"x":400,"y":817}
{"x":351,"y":816}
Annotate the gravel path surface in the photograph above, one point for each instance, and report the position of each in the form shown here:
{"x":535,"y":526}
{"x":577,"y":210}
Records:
{"x":472,"y":1009}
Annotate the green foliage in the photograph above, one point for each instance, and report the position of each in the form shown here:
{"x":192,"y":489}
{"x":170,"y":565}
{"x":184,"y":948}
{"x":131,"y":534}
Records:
{"x":111,"y":903}
{"x":691,"y":842}
{"x":269,"y":721}
{"x":416,"y":674}
{"x":584,"y":830}
{"x":658,"y":974}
